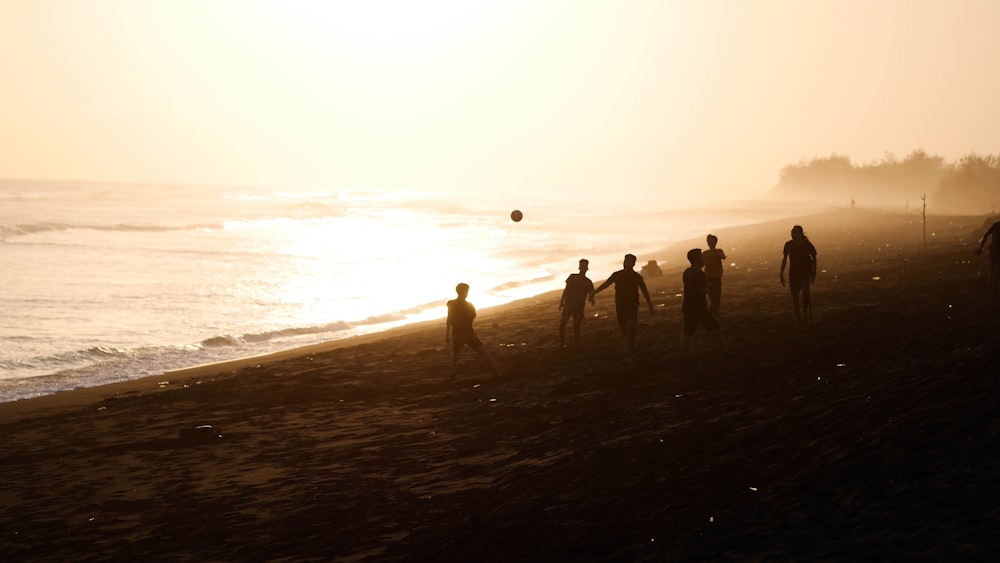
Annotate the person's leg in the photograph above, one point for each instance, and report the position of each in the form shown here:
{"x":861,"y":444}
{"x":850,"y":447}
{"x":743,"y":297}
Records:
{"x":633,"y":328}
{"x":807,"y":310}
{"x":577,"y":321}
{"x":721,"y":341}
{"x":795,"y":301}
{"x":714,"y":295}
{"x":623,"y":322}
{"x":711,"y":323}
{"x":686,"y":333}
{"x":562,"y":331}
{"x":481,"y":350}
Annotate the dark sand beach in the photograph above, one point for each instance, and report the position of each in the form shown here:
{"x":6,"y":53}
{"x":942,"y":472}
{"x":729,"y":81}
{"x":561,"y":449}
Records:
{"x":871,"y":435}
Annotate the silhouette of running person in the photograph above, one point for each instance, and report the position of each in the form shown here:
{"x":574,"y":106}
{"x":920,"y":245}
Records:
{"x":695,"y":307}
{"x":458,"y":331}
{"x":713,"y":258}
{"x":800,"y":255}
{"x":573,"y":300}
{"x":628,"y":284}
{"x":994,"y":255}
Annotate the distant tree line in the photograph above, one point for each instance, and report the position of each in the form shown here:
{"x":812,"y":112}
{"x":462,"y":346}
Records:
{"x":971,"y":185}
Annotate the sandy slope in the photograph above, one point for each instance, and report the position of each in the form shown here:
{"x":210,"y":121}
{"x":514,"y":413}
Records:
{"x":871,"y":435}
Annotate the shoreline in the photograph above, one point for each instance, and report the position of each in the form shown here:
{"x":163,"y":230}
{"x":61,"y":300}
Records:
{"x":20,"y":408}
{"x":865,"y":436}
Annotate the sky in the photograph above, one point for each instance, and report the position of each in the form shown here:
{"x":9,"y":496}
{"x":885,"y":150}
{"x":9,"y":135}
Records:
{"x":655,"y":102}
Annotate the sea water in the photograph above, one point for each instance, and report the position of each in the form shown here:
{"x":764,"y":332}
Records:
{"x":110,"y":282}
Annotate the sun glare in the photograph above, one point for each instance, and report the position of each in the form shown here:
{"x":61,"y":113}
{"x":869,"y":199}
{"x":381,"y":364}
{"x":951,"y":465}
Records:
{"x":387,"y":26}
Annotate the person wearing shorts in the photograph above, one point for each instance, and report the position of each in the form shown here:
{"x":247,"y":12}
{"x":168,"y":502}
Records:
{"x":800,"y":256}
{"x":458,"y":332}
{"x":713,"y":273}
{"x":628,"y":284}
{"x":695,"y":307}
{"x":573,"y":300}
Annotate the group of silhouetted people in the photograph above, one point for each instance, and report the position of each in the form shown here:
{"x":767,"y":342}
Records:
{"x":702,"y":294}
{"x":701,"y":304}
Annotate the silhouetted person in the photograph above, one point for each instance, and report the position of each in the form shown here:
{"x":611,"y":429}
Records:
{"x":574,"y":299}
{"x":994,"y":255}
{"x":713,"y":258}
{"x":800,"y":255}
{"x":695,"y":307}
{"x":458,"y":331}
{"x":628,"y":284}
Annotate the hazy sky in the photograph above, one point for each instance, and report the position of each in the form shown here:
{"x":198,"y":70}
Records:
{"x":583,"y":99}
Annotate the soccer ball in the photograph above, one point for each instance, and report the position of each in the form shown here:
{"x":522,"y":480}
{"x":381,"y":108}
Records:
{"x":516,"y":215}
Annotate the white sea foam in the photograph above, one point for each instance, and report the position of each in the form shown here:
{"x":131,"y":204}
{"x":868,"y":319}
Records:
{"x":105,"y":283}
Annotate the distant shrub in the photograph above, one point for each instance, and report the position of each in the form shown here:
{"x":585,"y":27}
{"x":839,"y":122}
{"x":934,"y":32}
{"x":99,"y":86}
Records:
{"x":971,"y":185}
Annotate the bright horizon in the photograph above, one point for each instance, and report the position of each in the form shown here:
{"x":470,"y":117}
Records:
{"x":658,"y":103}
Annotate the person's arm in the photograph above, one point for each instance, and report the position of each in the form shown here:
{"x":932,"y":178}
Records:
{"x":604,"y":285}
{"x":645,"y":293}
{"x":781,"y":274}
{"x":590,"y":293}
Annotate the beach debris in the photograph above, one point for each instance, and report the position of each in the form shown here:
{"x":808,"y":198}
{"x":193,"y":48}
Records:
{"x":754,"y":489}
{"x":493,"y":399}
{"x":516,"y":216}
{"x":102,"y":408}
{"x":163,"y":383}
{"x":841,"y":365}
{"x":711,"y":519}
{"x":876,"y":278}
{"x":202,"y":434}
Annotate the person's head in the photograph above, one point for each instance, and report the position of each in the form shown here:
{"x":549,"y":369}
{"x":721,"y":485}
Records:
{"x":695,"y":257}
{"x":712,"y":241}
{"x":798,"y":233}
{"x":584,"y":265}
{"x":629,"y":262}
{"x":462,"y":290}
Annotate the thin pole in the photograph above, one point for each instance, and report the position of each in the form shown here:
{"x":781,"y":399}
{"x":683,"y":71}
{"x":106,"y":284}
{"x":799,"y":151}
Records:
{"x":924,"y":213}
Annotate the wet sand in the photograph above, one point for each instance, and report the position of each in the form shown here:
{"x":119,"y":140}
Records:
{"x":871,"y":435}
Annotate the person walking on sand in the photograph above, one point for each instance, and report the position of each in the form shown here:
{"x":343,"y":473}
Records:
{"x":628,"y":284}
{"x":694,"y":307}
{"x":713,"y":258}
{"x":458,"y":331}
{"x":994,"y":256}
{"x":573,"y":300}
{"x":800,"y":255}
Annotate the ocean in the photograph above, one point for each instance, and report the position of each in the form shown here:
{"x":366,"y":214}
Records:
{"x":110,"y":282}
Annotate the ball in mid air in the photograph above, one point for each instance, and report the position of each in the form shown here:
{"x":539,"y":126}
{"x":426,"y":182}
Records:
{"x":516,"y":215}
